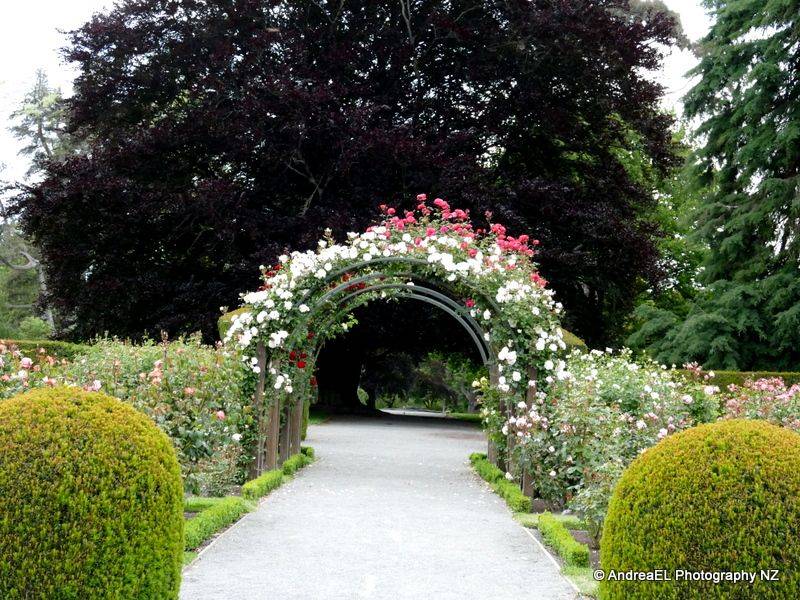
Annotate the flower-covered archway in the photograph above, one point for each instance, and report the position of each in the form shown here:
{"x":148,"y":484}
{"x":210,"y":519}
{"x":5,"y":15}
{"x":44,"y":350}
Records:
{"x":483,"y":278}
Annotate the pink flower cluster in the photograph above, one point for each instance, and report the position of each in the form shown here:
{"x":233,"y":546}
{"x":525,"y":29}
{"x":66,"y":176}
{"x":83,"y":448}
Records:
{"x":459,"y":224}
{"x":768,"y":398}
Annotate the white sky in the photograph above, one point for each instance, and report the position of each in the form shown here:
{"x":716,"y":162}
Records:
{"x":30,"y":38}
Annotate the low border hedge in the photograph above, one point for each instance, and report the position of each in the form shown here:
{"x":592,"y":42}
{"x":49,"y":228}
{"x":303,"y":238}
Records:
{"x":257,"y":488}
{"x":724,"y":378}
{"x":54,"y":348}
{"x":556,"y":534}
{"x":212,"y":517}
{"x":508,"y":490}
{"x":263,"y":484}
{"x":294,"y":463}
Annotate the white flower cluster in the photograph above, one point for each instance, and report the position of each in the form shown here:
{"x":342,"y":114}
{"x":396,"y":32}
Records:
{"x":286,"y":299}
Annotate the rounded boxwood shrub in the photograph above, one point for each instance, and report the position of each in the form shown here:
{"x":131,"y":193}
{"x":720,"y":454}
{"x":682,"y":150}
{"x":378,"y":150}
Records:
{"x":91,"y":500}
{"x":722,"y":497}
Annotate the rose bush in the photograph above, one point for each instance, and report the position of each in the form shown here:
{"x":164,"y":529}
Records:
{"x":769,"y":399}
{"x":597,"y":415}
{"x":196,"y":394}
{"x":20,"y":371}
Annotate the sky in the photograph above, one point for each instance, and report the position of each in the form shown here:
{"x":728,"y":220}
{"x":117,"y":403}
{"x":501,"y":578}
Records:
{"x":31,"y":37}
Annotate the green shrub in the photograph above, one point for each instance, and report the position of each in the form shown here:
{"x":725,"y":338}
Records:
{"x":91,"y":501}
{"x":556,"y":534}
{"x":214,"y":517}
{"x":294,"y":463}
{"x":263,"y":484}
{"x":508,"y":490}
{"x":57,"y":349}
{"x":308,"y":451}
{"x":486,"y":470}
{"x":34,"y":328}
{"x":723,"y":379}
{"x":225,"y":321}
{"x":718,"y":497}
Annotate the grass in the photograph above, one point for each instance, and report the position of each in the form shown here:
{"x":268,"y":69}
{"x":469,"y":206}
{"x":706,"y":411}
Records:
{"x":468,"y":417}
{"x":582,"y":578}
{"x":318,"y":416}
{"x":531,"y":520}
{"x":188,"y":557}
{"x":508,"y":490}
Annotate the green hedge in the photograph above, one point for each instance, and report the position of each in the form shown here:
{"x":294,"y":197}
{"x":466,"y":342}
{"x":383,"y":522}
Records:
{"x":225,"y":321}
{"x":556,"y":534}
{"x":722,"y":497}
{"x":724,"y":378}
{"x":212,"y":517}
{"x":508,"y":490}
{"x":263,"y":484}
{"x":294,"y":463}
{"x":54,"y":348}
{"x":91,"y":500}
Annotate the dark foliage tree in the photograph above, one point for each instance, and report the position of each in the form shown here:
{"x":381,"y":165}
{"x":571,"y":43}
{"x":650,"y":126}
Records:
{"x":222,"y":133}
{"x":748,"y":169}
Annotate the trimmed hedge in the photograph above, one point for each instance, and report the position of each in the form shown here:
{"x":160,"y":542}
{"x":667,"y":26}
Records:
{"x":213,"y":517}
{"x":54,"y":348}
{"x":718,"y":497}
{"x":225,"y":321}
{"x":508,"y":490}
{"x":271,"y":480}
{"x":263,"y":484}
{"x":572,"y":340}
{"x":556,"y":534}
{"x":91,"y":500}
{"x":724,"y":378}
{"x":294,"y":463}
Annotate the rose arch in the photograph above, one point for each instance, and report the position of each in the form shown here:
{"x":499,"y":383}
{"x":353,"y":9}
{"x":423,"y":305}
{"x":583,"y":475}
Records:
{"x":483,"y":278}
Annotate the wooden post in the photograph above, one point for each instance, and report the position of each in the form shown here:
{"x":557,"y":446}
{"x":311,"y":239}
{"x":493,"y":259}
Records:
{"x":285,"y":445}
{"x":272,"y":424}
{"x":257,"y":466}
{"x":296,"y":425}
{"x":530,"y":400}
{"x":271,"y":461}
{"x":492,"y":452}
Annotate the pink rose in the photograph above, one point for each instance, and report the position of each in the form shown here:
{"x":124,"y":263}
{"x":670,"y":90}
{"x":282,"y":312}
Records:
{"x":221,"y":415}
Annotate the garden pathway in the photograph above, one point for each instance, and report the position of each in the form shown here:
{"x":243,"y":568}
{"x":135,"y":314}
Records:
{"x":391,"y":510}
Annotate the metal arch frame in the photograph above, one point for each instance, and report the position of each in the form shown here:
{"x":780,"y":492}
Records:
{"x":429,"y":296}
{"x":397,"y":259}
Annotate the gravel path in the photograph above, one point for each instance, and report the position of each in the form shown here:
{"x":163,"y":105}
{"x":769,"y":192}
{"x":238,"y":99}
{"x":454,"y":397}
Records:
{"x":390,"y":510}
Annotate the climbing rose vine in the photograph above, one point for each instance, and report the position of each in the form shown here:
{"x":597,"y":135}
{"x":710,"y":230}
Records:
{"x":491,"y":274}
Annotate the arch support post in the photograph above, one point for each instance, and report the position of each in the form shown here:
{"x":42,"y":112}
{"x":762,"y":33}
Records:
{"x":530,"y":400}
{"x":493,"y":452}
{"x":296,"y":424}
{"x":259,"y":404}
{"x":284,"y":450}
